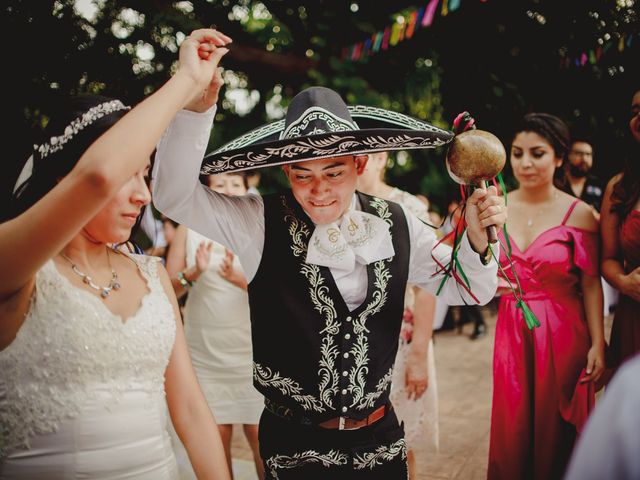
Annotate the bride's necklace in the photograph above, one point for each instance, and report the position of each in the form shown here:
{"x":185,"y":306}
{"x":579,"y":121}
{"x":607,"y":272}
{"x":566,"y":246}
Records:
{"x":540,"y":211}
{"x":114,"y":284}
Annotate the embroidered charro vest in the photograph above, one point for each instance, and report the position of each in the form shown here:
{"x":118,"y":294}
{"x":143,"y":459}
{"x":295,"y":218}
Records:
{"x":311,"y":354}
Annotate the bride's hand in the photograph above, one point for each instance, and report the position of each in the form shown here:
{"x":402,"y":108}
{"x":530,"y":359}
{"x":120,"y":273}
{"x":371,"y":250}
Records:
{"x":200,"y":54}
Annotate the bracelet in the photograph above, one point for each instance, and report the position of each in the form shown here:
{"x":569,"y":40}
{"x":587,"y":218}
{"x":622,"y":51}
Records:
{"x":485,"y":257}
{"x":184,"y":281}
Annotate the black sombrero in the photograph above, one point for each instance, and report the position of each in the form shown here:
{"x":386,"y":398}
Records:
{"x":320,"y":125}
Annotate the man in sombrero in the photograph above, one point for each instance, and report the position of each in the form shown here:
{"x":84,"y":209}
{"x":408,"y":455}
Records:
{"x":327,"y":268}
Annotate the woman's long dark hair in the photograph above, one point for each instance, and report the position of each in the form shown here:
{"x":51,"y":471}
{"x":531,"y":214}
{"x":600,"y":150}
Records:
{"x":554,"y":131}
{"x":49,"y":170}
{"x":627,"y":190}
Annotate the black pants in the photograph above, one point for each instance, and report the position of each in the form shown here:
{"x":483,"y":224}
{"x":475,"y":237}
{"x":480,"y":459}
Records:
{"x":292,"y":451}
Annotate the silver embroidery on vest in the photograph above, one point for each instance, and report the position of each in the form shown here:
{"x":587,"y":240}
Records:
{"x":370,"y":398}
{"x":268,"y":378}
{"x":360,"y":348}
{"x":328,"y":374}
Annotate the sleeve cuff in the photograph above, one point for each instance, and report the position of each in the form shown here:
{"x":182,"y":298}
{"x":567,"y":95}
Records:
{"x":473,"y":258}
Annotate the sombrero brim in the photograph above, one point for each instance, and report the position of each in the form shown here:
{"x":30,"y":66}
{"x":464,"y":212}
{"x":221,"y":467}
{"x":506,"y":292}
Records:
{"x":381,"y":130}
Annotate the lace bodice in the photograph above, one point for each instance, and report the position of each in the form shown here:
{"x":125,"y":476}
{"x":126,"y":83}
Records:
{"x":70,"y":347}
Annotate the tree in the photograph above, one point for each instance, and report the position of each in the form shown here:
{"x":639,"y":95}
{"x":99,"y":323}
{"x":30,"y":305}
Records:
{"x":496,"y":58}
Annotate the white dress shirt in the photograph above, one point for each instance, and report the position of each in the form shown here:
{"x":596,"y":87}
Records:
{"x":238,"y":222}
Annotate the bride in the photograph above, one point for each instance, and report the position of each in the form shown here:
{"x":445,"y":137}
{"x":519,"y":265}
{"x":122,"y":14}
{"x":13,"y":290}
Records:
{"x":90,"y":338}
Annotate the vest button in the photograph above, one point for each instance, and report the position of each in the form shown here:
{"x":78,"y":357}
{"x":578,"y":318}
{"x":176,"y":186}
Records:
{"x":348,"y":319}
{"x":345,"y":373}
{"x":346,"y":355}
{"x":344,"y":391}
{"x":344,"y":409}
{"x":347,"y":336}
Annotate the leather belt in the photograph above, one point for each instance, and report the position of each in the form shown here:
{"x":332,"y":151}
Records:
{"x":346,"y":423}
{"x":336,"y":423}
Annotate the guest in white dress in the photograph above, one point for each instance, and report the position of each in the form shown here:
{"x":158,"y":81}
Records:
{"x":90,"y":337}
{"x":217,"y":325}
{"x":414,"y":389}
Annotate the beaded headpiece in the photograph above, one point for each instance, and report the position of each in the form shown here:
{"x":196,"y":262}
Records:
{"x":57,"y":143}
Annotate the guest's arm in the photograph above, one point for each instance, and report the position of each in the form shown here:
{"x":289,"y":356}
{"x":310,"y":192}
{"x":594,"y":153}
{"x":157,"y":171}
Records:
{"x":190,"y":414}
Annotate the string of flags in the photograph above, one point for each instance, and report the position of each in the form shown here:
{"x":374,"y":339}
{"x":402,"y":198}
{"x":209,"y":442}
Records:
{"x":593,"y":56}
{"x":402,"y":29}
{"x":406,"y":25}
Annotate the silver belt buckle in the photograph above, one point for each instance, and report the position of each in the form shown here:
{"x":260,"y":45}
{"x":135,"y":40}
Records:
{"x":341,"y":423}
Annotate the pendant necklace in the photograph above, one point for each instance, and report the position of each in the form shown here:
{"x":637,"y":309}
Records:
{"x":540,"y":211}
{"x":114,"y":284}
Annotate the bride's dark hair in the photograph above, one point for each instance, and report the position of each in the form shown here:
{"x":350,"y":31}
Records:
{"x":50,"y":166}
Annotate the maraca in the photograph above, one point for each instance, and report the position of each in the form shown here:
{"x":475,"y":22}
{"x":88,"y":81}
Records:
{"x":474,"y":157}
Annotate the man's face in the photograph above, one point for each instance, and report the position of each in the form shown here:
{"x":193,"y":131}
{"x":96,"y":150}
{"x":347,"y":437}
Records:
{"x":580,"y":159}
{"x":324,"y":188}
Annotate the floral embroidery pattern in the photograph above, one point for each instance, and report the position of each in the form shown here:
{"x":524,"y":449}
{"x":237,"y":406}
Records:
{"x":384,"y":453}
{"x":360,"y":348}
{"x":267,"y":378}
{"x":382,"y":207}
{"x":332,"y":458}
{"x":303,"y":148}
{"x":323,"y":304}
{"x":317,"y":114}
{"x":356,"y":111}
{"x":370,"y":398}
{"x":329,"y":376}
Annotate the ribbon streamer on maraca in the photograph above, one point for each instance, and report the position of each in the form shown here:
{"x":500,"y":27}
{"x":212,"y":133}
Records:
{"x":464,"y":123}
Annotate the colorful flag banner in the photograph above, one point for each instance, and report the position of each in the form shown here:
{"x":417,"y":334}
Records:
{"x":400,"y":31}
{"x":454,"y":5}
{"x":593,"y":56}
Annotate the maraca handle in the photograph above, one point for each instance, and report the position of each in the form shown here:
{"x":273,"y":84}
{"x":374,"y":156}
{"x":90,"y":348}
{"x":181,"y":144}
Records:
{"x":492,"y":234}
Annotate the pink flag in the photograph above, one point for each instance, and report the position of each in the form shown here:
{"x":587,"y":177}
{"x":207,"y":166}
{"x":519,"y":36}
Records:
{"x":429,"y":13}
{"x":385,"y":38}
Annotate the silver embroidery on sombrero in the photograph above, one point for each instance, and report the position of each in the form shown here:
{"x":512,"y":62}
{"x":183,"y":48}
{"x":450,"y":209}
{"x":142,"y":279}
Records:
{"x":382,"y":454}
{"x":333,"y":123}
{"x":332,"y":458}
{"x":252,"y":137}
{"x":308,"y":149}
{"x":388,"y":116}
{"x":356,"y":111}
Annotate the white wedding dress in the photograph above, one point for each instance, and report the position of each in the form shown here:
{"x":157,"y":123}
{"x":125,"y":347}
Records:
{"x":81,"y":392}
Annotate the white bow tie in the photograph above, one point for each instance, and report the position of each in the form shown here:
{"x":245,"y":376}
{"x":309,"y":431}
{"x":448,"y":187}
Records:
{"x":356,"y":237}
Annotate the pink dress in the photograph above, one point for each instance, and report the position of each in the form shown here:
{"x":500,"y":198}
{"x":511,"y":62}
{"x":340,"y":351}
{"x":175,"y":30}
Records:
{"x":538,"y":404}
{"x":625,"y":332}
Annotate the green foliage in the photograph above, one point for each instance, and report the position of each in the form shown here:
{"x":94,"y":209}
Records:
{"x":497,"y":59}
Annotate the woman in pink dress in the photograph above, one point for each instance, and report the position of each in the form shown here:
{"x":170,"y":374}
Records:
{"x":621,"y":247}
{"x":543,"y":379}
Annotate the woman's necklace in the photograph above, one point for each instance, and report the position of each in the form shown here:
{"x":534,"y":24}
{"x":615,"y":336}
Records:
{"x":114,"y":284}
{"x":540,"y":211}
